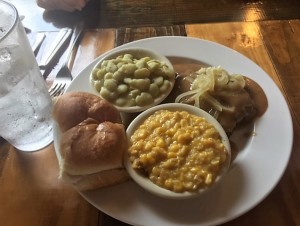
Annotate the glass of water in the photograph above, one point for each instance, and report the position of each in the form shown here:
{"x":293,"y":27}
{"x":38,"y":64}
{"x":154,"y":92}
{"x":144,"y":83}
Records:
{"x":25,"y":103}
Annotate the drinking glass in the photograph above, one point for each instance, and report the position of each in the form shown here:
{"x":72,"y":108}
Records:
{"x":25,"y":103}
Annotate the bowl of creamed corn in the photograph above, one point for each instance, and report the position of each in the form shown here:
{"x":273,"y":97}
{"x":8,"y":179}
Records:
{"x":177,"y":151}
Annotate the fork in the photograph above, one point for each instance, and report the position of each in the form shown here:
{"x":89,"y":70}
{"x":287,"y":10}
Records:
{"x":64,"y":76}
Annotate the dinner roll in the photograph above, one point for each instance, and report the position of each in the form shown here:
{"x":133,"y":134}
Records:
{"x":93,"y":141}
{"x":74,"y":107}
{"x":90,"y":147}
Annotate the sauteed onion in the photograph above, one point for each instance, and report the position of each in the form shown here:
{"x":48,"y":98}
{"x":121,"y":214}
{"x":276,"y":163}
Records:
{"x":221,"y":94}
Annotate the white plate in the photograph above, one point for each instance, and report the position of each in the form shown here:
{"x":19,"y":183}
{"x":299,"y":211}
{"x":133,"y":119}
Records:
{"x":255,"y":171}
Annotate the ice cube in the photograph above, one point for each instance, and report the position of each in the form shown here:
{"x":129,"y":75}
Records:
{"x":5,"y":55}
{"x":6,"y":22}
{"x":10,"y":73}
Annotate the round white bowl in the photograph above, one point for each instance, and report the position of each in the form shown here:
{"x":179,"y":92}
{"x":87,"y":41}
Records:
{"x":145,"y":182}
{"x":137,"y":53}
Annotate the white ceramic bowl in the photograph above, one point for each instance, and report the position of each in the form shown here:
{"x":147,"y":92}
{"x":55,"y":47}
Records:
{"x":137,"y":53}
{"x":145,"y":182}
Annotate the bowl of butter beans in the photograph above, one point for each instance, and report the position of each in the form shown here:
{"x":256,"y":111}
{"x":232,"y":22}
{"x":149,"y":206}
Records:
{"x":133,"y":79}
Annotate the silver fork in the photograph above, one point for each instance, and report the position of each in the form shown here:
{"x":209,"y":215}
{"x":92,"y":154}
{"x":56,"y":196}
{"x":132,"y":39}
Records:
{"x":64,"y":75}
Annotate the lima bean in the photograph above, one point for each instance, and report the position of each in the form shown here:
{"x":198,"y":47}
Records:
{"x":119,"y":76}
{"x":101,"y":73}
{"x":105,"y":93}
{"x":98,"y":84}
{"x":94,"y":73}
{"x":128,"y":58}
{"x":104,"y":63}
{"x":122,"y":89}
{"x":127,"y":80}
{"x":110,"y":84}
{"x":108,"y":75}
{"x":165,"y":86}
{"x":134,"y":93}
{"x":111,"y":67}
{"x":169,"y":73}
{"x":141,"y":63}
{"x":120,"y":64}
{"x":154,"y":90}
{"x":128,"y":68}
{"x":158,"y":81}
{"x":142,"y":73}
{"x":144,"y":99}
{"x":153,"y":65}
{"x":140,"y":84}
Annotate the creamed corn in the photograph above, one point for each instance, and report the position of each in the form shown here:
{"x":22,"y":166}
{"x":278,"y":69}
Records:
{"x":177,"y":151}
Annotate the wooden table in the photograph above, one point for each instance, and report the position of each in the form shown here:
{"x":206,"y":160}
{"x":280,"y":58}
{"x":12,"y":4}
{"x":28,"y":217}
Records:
{"x":30,"y":192}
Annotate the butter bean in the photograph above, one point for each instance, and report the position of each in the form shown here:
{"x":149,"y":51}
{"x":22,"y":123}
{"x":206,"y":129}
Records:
{"x":142,"y":73}
{"x":158,"y":81}
{"x":94,"y":73}
{"x":110,"y":84}
{"x":122,"y":88}
{"x":118,"y":76}
{"x":108,"y":75}
{"x":128,"y":68}
{"x":111,"y":67}
{"x":165,"y":86}
{"x":154,"y":90}
{"x":153,"y":65}
{"x":128,"y":81}
{"x":106,"y":94}
{"x":101,"y":73}
{"x":98,"y":84}
{"x":128,"y":58}
{"x":134,"y":93}
{"x":141,"y":63}
{"x":169,"y":73}
{"x":144,"y":99}
{"x":104,"y":63}
{"x":120,"y":64}
{"x":140,"y":84}
{"x":146,"y":59}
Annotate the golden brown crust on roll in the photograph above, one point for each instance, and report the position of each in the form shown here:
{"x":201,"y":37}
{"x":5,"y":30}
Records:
{"x":93,"y":141}
{"x":74,"y":107}
{"x":90,"y":147}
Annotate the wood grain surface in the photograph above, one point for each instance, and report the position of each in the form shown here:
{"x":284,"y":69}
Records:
{"x":31,"y":193}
